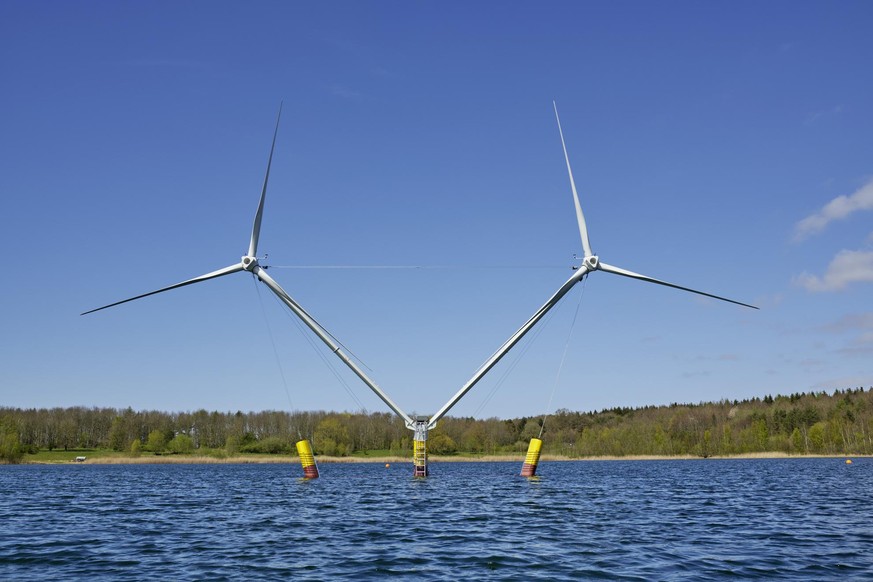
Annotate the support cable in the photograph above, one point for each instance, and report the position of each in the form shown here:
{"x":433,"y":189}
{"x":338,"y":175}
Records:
{"x":417,"y":267}
{"x":275,"y":349}
{"x":563,"y":358}
{"x":535,"y":333}
{"x":316,"y":348}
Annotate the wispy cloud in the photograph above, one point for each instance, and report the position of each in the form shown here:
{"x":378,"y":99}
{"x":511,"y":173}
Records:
{"x":769,"y":300}
{"x":858,"y":324}
{"x":843,"y":382}
{"x":857,"y":351}
{"x":345,"y":92}
{"x":717,"y":358}
{"x":851,"y":322}
{"x":171,"y":63}
{"x":816,"y":115}
{"x":380,"y":72}
{"x":837,"y":209}
{"x":846,"y":268}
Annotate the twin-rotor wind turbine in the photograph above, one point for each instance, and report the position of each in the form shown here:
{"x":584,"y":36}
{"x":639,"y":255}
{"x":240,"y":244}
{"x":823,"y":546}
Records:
{"x":421,"y":424}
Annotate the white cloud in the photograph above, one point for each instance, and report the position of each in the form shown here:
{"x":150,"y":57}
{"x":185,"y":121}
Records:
{"x":847,"y":267}
{"x":837,"y":209}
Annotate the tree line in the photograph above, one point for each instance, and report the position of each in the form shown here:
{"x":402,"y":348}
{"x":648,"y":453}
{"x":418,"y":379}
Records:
{"x":840,"y":422}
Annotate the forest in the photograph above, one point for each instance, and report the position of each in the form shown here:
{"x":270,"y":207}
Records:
{"x":829,"y":423}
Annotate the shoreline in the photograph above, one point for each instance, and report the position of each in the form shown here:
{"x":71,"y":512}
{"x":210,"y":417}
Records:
{"x":518,"y":458}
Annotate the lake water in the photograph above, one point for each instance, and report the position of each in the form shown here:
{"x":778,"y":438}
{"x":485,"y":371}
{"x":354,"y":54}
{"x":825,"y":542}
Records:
{"x":679,"y":520}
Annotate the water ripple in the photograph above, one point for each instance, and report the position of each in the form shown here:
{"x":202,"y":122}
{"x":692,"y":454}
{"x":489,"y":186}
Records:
{"x":676,"y":520}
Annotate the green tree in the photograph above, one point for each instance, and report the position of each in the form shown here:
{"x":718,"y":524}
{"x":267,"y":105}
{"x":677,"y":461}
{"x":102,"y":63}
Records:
{"x":761,"y":434}
{"x":135,"y":448}
{"x":117,"y":434}
{"x":798,"y":444}
{"x":123,"y":429}
{"x":816,"y":436}
{"x":473,"y":439}
{"x":272,"y":445}
{"x":181,"y":444}
{"x":706,"y":444}
{"x":10,"y":446}
{"x":157,"y":441}
{"x":442,"y":444}
{"x":661,"y":442}
{"x":231,"y":445}
{"x":67,"y":433}
{"x":331,"y":437}
{"x":531,"y":429}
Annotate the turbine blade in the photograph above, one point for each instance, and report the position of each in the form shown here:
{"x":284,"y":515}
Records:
{"x":206,"y":277}
{"x":580,"y":218}
{"x":632,"y":275}
{"x":256,"y":228}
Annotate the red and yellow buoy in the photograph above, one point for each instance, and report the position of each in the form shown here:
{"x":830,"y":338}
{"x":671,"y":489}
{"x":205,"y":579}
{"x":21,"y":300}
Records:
{"x":307,"y":459}
{"x":529,"y":469}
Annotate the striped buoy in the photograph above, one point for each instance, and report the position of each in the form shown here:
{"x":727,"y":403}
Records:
{"x":419,"y":458}
{"x":529,"y":469}
{"x":307,"y":460}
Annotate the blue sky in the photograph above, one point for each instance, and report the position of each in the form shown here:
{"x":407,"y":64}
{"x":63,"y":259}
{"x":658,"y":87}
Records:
{"x":723,"y":146}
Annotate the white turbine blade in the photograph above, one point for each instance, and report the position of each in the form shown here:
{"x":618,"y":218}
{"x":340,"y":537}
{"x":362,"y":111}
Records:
{"x":580,"y":218}
{"x":256,"y":228}
{"x":632,"y":275}
{"x":206,"y":277}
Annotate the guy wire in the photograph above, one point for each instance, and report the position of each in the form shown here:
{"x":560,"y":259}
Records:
{"x":526,"y":343}
{"x":315,"y":347}
{"x":275,"y":349}
{"x":563,"y":357}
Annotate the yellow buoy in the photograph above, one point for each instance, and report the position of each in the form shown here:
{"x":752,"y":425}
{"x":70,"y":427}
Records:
{"x":848,"y":461}
{"x":387,"y":465}
{"x":307,"y":460}
{"x":529,"y":469}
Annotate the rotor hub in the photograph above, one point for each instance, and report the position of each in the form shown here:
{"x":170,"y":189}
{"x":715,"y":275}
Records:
{"x":249,"y":263}
{"x":592,"y":263}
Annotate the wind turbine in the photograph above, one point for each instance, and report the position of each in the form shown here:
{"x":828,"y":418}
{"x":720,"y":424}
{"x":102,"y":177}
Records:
{"x":249,"y":262}
{"x":590,"y":264}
